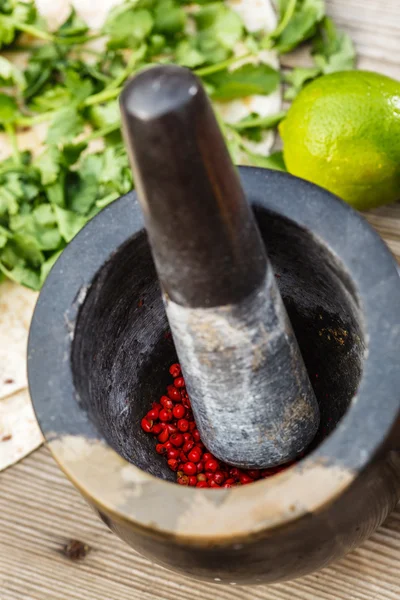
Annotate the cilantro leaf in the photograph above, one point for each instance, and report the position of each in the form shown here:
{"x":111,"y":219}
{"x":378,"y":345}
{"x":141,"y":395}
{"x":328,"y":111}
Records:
{"x":8,"y":109}
{"x":47,"y":266}
{"x":333,"y":50}
{"x":73,"y":26}
{"x":82,"y":192}
{"x":49,"y":164}
{"x":22,"y":275}
{"x":245,"y":81}
{"x":188,"y":55}
{"x":169,"y":17}
{"x":66,"y":124}
{"x":273,"y":161}
{"x":127,"y":27}
{"x":301,"y":26}
{"x":69,"y":223}
{"x":10,"y":74}
{"x":219,"y":29}
{"x":297,"y":78}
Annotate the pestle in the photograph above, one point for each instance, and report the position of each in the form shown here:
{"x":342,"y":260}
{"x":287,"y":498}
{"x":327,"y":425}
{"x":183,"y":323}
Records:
{"x":251,"y":396}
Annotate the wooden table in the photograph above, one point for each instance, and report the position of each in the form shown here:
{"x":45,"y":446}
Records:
{"x":40,"y":511}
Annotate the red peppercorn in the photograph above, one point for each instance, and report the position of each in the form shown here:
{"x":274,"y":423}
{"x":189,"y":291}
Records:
{"x":163,"y":436}
{"x":183,"y":425}
{"x":183,"y":480}
{"x":254,"y":473}
{"x":234,"y":472}
{"x":189,"y":468}
{"x":146,"y":425}
{"x":212,"y":484}
{"x":179,"y":411}
{"x":157,"y":428}
{"x":179,"y":382}
{"x":211,"y":465}
{"x":166,"y":402}
{"x":244,"y":479}
{"x":173,"y":393}
{"x":196,"y":435}
{"x":176,"y":439}
{"x":153,"y":413}
{"x":266,"y":473}
{"x":165,"y":415}
{"x":187,"y":446}
{"x":195,"y":454}
{"x":175,"y":428}
{"x":173,"y":453}
{"x":175,"y":370}
{"x":173,"y":464}
{"x":219,"y":477}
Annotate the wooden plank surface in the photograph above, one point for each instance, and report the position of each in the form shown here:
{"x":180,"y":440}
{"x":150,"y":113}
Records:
{"x":40,"y":511}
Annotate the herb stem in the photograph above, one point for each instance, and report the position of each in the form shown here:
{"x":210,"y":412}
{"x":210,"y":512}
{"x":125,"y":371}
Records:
{"x":264,"y":122}
{"x":221,"y":66}
{"x":33,"y":31}
{"x":107,"y":94}
{"x":10,"y":130}
{"x":36,"y":120}
{"x":289,"y":12}
{"x":97,"y":133}
{"x":134,"y":58}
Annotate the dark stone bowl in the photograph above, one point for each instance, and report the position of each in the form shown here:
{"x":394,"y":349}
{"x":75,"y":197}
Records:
{"x":99,"y":352}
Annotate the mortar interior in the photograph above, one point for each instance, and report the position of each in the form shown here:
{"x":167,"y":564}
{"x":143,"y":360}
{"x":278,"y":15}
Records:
{"x":122,"y":346}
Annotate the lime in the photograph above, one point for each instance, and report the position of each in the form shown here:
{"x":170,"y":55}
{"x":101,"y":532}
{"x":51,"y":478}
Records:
{"x":342,"y":132}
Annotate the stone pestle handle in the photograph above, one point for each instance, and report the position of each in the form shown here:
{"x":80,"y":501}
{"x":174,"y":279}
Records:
{"x":250,"y":392}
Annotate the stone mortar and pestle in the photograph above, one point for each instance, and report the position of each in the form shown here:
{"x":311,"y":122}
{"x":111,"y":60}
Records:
{"x":284,"y":308}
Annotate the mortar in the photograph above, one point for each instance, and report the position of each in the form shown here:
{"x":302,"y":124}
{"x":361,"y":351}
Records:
{"x":99,"y":352}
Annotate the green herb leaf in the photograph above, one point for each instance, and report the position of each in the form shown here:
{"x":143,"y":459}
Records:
{"x":74,"y":26}
{"x":333,"y":50}
{"x":245,"y":81}
{"x":187,"y":55}
{"x":67,"y":124}
{"x":273,"y":161}
{"x":47,"y":266}
{"x":301,"y":26}
{"x":69,"y":223}
{"x":128,"y":28}
{"x":22,"y":275}
{"x":297,"y":78}
{"x":82,"y":192}
{"x":8,"y":109}
{"x":10,"y":74}
{"x":169,"y":17}
{"x":48,"y":164}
